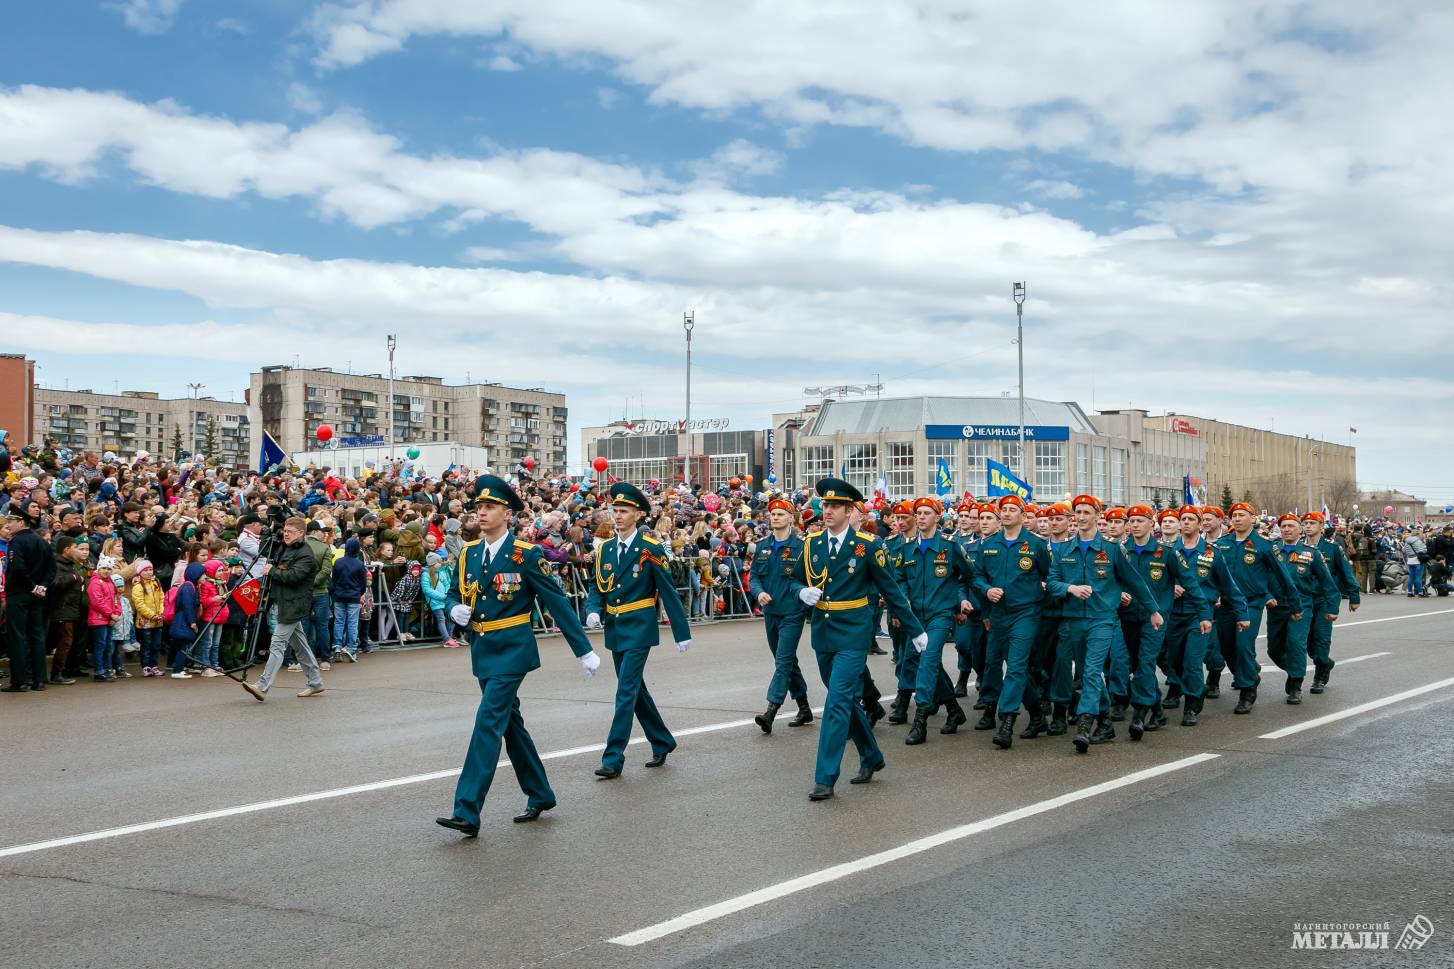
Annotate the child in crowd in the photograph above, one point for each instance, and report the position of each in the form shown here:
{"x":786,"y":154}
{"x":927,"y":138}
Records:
{"x":103,"y":609}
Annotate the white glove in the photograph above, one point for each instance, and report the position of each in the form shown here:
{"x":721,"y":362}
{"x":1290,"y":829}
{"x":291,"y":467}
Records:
{"x":593,"y":621}
{"x":684,"y":645}
{"x":811,"y":595}
{"x":590,"y":663}
{"x":460,"y":614}
{"x":921,"y":641}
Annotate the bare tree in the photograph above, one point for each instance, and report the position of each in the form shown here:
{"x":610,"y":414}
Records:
{"x":1341,"y":494}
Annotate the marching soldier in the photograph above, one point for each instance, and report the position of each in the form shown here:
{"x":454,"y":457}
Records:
{"x":500,"y":580}
{"x":1211,"y":571}
{"x":840,"y":567}
{"x":906,"y":662}
{"x":1264,"y":582}
{"x":969,"y":634}
{"x":1090,"y":574}
{"x":1288,"y":626}
{"x":1050,"y":662}
{"x":1212,"y":519}
{"x":1009,"y":576}
{"x":778,"y":559}
{"x":1170,"y":578}
{"x":1118,"y":664}
{"x":631,"y":578}
{"x":936,"y":578}
{"x":871,"y":696}
{"x":1320,"y":637}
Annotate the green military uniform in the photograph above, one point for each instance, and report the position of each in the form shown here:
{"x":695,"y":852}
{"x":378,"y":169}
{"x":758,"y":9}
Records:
{"x":1288,"y":624}
{"x":1320,"y":637}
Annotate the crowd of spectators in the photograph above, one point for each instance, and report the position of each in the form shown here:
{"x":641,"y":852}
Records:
{"x":142,"y":567}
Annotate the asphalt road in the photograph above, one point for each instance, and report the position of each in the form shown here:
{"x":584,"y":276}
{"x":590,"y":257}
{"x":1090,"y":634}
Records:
{"x":1199,"y":846}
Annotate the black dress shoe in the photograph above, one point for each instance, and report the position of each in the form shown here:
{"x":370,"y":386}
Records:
{"x":875,"y":713}
{"x":865,"y":774}
{"x":1317,"y":686}
{"x":608,"y":773}
{"x":820,"y":792}
{"x":531,"y":813}
{"x":877,"y":651}
{"x":16,"y":688}
{"x":1295,"y":697}
{"x":657,"y":760}
{"x":463,"y":827}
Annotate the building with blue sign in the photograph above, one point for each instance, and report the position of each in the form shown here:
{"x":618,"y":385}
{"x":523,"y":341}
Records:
{"x":904,"y":440}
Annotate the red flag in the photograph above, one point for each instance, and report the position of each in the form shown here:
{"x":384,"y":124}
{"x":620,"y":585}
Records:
{"x":247,"y":596}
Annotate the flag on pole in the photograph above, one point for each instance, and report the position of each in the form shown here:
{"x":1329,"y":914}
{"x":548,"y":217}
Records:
{"x":882,"y":488}
{"x":271,"y":455}
{"x":1188,"y":497}
{"x":1002,"y":481}
{"x":1352,"y":430}
{"x":944,"y":481}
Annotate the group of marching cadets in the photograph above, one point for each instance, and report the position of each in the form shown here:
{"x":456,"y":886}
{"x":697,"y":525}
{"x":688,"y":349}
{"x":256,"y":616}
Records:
{"x":1068,"y":611}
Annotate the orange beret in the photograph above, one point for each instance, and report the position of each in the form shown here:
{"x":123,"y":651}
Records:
{"x":1012,"y":500}
{"x":1140,"y":511}
{"x":1115,"y":514}
{"x":989,"y":508}
{"x":1191,"y":510}
{"x":1213,"y":510}
{"x":1032,"y":509}
{"x":968,"y":506}
{"x":1288,"y":516}
{"x":928,"y":503}
{"x":1314,"y":516}
{"x":782,"y":503}
{"x":1241,"y":506}
{"x":1168,"y":513}
{"x":1091,"y":500}
{"x":904,"y":508}
{"x":1059,"y":508}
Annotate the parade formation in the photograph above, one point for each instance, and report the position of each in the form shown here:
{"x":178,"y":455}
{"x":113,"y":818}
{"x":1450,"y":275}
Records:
{"x":1077,"y":613}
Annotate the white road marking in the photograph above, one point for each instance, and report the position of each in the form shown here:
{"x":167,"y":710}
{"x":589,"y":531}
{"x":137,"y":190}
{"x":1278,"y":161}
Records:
{"x":1340,"y":662}
{"x":283,"y":802}
{"x":836,"y":872}
{"x":1354,"y":711}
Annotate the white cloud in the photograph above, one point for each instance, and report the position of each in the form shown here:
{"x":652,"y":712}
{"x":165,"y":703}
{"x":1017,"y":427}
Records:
{"x":1054,"y":189}
{"x":233,"y":25}
{"x":502,"y":62}
{"x":304,"y":98}
{"x":148,"y":16}
{"x":739,"y":158}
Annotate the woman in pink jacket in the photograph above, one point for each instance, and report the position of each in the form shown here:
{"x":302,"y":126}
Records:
{"x":214,"y":592}
{"x":104,"y":607}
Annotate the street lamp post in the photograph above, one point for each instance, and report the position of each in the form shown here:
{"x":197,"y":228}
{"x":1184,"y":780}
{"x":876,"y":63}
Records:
{"x":689,"y":320}
{"x":1017,"y":291}
{"x":192,"y":420}
{"x":393,"y":342}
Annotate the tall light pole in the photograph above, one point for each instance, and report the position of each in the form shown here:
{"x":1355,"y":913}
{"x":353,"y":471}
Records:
{"x":1017,"y":291}
{"x":192,"y":430}
{"x":393,"y":342}
{"x":689,"y":320}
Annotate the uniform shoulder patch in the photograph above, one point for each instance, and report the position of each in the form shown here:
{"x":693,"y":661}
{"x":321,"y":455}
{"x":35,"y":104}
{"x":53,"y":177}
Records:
{"x":469,"y":545}
{"x":649,"y":540}
{"x":866,"y":536}
{"x":520,"y":543}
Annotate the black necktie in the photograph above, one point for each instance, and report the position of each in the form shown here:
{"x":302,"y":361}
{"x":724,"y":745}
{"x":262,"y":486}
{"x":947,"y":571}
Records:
{"x":832,"y":547}
{"x":487,"y":556}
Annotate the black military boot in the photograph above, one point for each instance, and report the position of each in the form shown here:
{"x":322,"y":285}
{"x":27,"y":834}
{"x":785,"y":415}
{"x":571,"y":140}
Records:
{"x":1057,"y":721}
{"x":1035,"y":727}
{"x":875,"y":712}
{"x":954,"y":717}
{"x":900,"y":713}
{"x":1157,"y":716}
{"x":805,"y":714}
{"x":1245,"y":700}
{"x":1118,"y":709}
{"x":919,"y":732}
{"x":766,"y":717}
{"x":1295,"y":691}
{"x":1138,"y":722}
{"x":1191,"y":711}
{"x":1214,"y":684}
{"x":1006,"y":734}
{"x":1320,"y":681}
{"x":961,"y":685}
{"x":981,"y":704}
{"x":1173,"y":699}
{"x":1104,"y":733}
{"x":1083,"y":726}
{"x":986,"y":720}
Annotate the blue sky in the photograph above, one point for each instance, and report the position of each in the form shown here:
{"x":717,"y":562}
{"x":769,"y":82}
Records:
{"x":1239,"y":210}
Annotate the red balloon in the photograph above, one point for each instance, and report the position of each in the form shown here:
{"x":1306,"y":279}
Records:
{"x":734,"y":482}
{"x":747,"y":478}
{"x":599,"y":464}
{"x":324,"y":432}
{"x":529,"y":463}
{"x":574,"y":488}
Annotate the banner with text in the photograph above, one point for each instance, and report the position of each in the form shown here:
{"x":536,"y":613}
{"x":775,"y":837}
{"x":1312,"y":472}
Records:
{"x":1002,"y":481}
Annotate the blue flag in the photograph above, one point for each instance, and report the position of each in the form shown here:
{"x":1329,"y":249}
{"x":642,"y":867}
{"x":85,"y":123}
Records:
{"x":1002,"y":481}
{"x":1188,"y":497}
{"x":943,"y":481}
{"x":271,"y":455}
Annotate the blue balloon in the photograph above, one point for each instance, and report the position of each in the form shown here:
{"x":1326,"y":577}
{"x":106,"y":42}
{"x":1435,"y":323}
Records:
{"x":772,"y":479}
{"x":1448,"y":509}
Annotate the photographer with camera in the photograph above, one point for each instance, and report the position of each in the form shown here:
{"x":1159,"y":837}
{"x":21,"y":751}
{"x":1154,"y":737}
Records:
{"x":291,"y":582}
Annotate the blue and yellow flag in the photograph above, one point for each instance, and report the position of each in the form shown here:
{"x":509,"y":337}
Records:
{"x":944,"y":481}
{"x":1003,"y":482}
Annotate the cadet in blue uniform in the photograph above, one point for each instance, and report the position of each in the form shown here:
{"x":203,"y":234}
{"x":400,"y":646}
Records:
{"x":969,"y":632}
{"x":1050,"y":686}
{"x":777,"y":561}
{"x":499,"y":581}
{"x":1090,"y":574}
{"x":1187,"y":635}
{"x":1169,"y":577}
{"x":840,"y":567}
{"x":1009,"y":576}
{"x":936,"y":579}
{"x":1320,"y":637}
{"x":631,"y":578}
{"x":1118,"y":663}
{"x":1287,"y":631}
{"x":1264,"y":583}
{"x":906,"y":661}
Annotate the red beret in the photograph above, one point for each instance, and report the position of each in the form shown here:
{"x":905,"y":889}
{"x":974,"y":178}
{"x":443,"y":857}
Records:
{"x":1115,"y":514}
{"x":1091,"y":500}
{"x":1288,"y":516}
{"x":1191,"y":510}
{"x":1168,"y":513}
{"x":1241,"y":506}
{"x":1012,"y":500}
{"x":928,"y":503}
{"x":782,"y":503}
{"x":1213,"y":510}
{"x":989,"y":508}
{"x":968,"y":506}
{"x":1140,"y":511}
{"x":1314,"y":516}
{"x":1059,"y":508}
{"x":904,"y":508}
